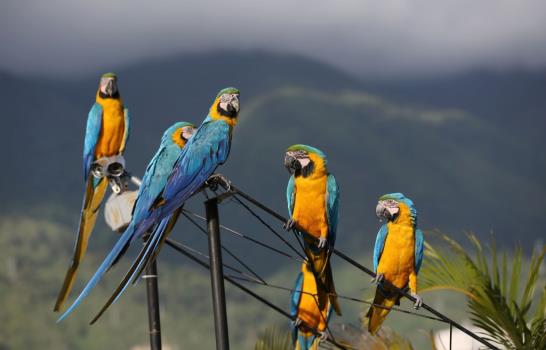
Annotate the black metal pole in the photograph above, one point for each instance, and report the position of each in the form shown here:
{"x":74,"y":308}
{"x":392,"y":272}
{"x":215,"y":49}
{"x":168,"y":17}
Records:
{"x":217,"y":276}
{"x":154,"y":324}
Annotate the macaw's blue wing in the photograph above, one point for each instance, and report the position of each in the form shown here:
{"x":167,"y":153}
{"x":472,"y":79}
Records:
{"x":290,"y":195}
{"x":332,"y":209}
{"x":208,"y":148}
{"x":419,"y":249}
{"x":127,"y":130}
{"x":379,"y":245}
{"x":295,"y":297}
{"x":92,"y":133}
{"x":154,"y":180}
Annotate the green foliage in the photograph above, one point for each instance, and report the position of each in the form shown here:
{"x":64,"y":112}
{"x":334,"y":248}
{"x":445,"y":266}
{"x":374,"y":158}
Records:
{"x":499,"y":299}
{"x":274,"y":338}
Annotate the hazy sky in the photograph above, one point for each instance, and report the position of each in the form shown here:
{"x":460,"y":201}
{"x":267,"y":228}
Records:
{"x":371,"y":37}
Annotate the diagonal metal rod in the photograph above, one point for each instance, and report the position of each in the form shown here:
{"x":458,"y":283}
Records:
{"x":369,"y":272}
{"x":392,"y":308}
{"x":227,"y":266}
{"x":173,"y":244}
{"x":239,"y":234}
{"x":225,"y":249}
{"x":271,"y":228}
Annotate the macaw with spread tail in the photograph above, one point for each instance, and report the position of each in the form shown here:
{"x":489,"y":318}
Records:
{"x":313,"y":205}
{"x":157,"y":210}
{"x":310,"y":308}
{"x":397,"y":257}
{"x":107,"y":132}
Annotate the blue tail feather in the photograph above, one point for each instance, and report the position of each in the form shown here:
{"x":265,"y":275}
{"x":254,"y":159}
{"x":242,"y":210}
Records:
{"x":110,"y":258}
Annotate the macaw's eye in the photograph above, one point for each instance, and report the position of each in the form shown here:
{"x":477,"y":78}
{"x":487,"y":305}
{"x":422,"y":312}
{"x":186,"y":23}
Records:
{"x":391,"y":203}
{"x":300,"y":154}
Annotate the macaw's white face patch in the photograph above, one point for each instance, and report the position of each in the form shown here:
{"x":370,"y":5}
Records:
{"x":108,"y":86}
{"x":387,"y":209}
{"x":187,"y":132}
{"x":229,"y":102}
{"x":304,"y":162}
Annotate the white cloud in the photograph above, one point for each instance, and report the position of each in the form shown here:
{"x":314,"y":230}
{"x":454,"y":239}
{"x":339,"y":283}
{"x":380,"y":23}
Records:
{"x":366,"y":36}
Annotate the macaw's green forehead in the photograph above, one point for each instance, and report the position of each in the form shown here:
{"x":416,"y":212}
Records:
{"x":400,"y":198}
{"x":396,"y":196}
{"x":308,"y":149}
{"x":228,"y":90}
{"x":109,"y":75}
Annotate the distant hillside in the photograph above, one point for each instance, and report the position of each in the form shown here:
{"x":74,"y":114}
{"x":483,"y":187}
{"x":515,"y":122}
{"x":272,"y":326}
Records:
{"x":462,"y":163}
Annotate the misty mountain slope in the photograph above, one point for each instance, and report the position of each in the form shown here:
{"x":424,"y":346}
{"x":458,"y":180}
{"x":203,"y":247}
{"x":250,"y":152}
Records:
{"x":432,"y":155}
{"x":463,"y":169}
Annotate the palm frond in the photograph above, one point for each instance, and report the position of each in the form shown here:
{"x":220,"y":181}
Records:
{"x":499,"y":301}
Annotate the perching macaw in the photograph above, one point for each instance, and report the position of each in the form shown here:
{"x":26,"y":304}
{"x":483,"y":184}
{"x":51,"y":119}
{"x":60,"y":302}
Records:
{"x":310,"y":309}
{"x":205,"y":151}
{"x":173,"y":141}
{"x":397,"y":257}
{"x":313,"y":205}
{"x":106,"y":135}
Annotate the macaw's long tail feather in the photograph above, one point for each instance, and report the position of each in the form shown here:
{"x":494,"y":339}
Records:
{"x":146,"y":255}
{"x":145,"y":251}
{"x":307,"y":342}
{"x":163,"y":233}
{"x":105,"y":265}
{"x":94,"y":194}
{"x":376,"y":315}
{"x":332,"y":290}
{"x":121,"y":254}
{"x":322,"y":269}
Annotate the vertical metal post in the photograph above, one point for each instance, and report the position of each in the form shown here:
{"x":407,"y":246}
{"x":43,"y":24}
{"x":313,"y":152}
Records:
{"x":217,"y":276}
{"x":154,"y":324}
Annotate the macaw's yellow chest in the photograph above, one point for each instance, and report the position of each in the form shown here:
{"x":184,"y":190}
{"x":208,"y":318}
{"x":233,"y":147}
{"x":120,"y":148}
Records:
{"x":397,"y":259}
{"x":112,"y":134}
{"x":310,"y":205}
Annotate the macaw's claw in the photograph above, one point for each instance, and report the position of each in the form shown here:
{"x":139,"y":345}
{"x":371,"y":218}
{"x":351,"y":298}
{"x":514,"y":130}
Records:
{"x":324,"y":336}
{"x":296,"y":322}
{"x":218,"y":179}
{"x":418,"y":301}
{"x":289,"y":225}
{"x":378,"y":279}
{"x":322,"y":242}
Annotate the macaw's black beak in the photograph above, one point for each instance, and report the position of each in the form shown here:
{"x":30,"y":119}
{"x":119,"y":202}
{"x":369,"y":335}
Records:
{"x":291,"y":164}
{"x":382,"y":213}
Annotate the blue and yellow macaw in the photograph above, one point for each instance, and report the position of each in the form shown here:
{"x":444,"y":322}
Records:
{"x":310,"y":308}
{"x":313,"y":205}
{"x":159,"y":202}
{"x":397,"y":257}
{"x":173,"y":141}
{"x":107,"y":132}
